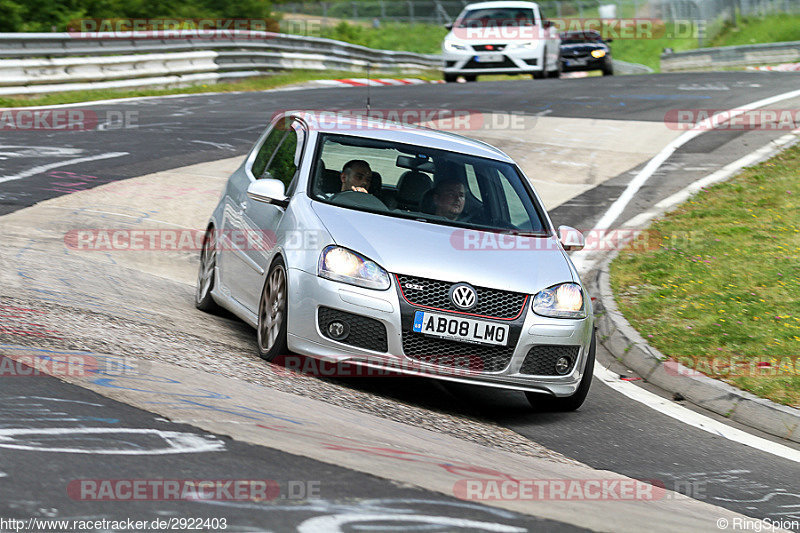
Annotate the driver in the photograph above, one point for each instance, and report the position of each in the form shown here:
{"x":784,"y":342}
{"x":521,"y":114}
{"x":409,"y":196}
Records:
{"x":356,"y":176}
{"x":448,"y":199}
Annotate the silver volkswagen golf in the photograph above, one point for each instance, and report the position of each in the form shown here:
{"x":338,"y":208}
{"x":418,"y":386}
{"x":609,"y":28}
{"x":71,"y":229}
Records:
{"x":392,"y":246}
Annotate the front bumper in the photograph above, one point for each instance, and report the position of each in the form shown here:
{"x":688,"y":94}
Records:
{"x":591,"y":64}
{"x":309,"y":292}
{"x":520,"y":61}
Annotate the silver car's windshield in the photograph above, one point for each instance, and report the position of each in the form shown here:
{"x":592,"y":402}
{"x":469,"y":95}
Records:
{"x":424,"y":184}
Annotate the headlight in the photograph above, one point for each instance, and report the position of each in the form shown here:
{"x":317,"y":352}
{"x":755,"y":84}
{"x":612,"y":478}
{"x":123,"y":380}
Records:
{"x":450,"y":46}
{"x":340,"y":264}
{"x":597,"y":54}
{"x":561,"y":301}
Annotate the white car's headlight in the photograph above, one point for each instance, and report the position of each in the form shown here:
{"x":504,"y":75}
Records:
{"x":450,"y":46}
{"x":340,"y":264}
{"x":561,"y":301}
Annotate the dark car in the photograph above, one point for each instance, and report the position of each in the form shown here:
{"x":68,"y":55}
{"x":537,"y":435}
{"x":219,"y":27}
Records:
{"x":585,"y":50}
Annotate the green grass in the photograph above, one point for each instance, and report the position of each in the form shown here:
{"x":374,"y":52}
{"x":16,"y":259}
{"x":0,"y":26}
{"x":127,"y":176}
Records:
{"x":751,"y":30}
{"x":252,"y":84}
{"x":417,"y":38}
{"x":725,"y":285}
{"x":647,"y":49}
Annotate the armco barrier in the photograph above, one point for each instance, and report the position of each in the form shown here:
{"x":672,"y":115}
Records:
{"x":51,"y":62}
{"x":731,"y":57}
{"x":623,"y":67}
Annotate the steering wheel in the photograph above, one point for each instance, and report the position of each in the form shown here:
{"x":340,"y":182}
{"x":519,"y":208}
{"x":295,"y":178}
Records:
{"x":358,"y":199}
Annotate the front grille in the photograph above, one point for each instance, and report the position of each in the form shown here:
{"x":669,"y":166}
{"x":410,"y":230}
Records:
{"x":505,"y":63}
{"x":364,"y":332}
{"x":454,"y":354}
{"x":485,"y":47}
{"x":492,"y":303}
{"x":541,"y":359}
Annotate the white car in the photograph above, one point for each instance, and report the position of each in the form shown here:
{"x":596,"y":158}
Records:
{"x":501,"y":38}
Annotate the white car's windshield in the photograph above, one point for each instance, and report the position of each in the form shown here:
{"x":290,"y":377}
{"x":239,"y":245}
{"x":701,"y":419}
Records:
{"x":494,"y":17}
{"x":422,"y":183}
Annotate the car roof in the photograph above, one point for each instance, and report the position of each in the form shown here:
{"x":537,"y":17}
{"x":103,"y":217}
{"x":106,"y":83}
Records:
{"x":481,"y":5}
{"x":387,"y":130}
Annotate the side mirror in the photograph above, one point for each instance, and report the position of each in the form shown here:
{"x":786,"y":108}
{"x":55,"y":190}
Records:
{"x":269,"y":191}
{"x":609,"y":40}
{"x":547,"y":24}
{"x":571,"y":239}
{"x":448,"y":26}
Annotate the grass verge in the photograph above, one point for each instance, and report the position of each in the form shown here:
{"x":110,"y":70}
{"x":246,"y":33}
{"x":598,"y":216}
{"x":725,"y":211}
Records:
{"x":722,"y":293}
{"x":260,"y":83}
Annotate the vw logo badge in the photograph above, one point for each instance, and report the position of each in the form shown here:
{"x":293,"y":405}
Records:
{"x":463,"y":296}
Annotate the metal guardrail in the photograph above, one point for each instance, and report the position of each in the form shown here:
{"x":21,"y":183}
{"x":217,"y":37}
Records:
{"x":51,"y":62}
{"x":730,"y":57}
{"x":623,"y":67}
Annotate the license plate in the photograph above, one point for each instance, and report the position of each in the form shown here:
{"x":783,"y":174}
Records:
{"x":460,"y":329}
{"x":575,"y":62}
{"x":489,"y":58}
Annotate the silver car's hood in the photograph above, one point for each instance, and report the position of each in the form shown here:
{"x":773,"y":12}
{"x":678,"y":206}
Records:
{"x":426,"y":250}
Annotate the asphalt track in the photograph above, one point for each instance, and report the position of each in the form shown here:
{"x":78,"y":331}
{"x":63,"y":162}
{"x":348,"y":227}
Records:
{"x":609,"y":432}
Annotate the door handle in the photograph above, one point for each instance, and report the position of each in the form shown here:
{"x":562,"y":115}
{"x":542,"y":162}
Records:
{"x":243,"y":205}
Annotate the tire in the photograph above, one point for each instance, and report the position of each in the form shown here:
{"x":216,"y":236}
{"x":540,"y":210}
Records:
{"x":608,"y":70}
{"x":450,"y":78}
{"x":473,"y":77}
{"x":540,"y":75}
{"x":557,"y":72}
{"x":543,"y":403}
{"x":206,"y":273}
{"x":272,"y":313}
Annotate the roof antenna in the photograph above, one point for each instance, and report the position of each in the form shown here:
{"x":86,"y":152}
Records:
{"x":368,"y":89}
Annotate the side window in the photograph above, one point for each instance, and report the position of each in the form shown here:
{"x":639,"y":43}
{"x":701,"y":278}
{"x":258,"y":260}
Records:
{"x":278,"y":156}
{"x":265,"y":152}
{"x":282,"y":165}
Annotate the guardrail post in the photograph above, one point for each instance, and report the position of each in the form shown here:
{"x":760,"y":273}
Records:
{"x":411,"y":11}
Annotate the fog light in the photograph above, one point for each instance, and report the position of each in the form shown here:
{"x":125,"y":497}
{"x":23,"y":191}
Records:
{"x":562,"y":365}
{"x":338,"y":330}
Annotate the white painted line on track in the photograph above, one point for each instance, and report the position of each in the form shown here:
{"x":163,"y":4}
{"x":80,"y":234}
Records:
{"x":44,"y":168}
{"x":693,"y":418}
{"x":582,"y":259}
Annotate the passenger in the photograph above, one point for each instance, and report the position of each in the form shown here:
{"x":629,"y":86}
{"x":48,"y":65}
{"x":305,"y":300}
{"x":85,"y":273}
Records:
{"x":449,"y":197}
{"x":356,"y":176}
